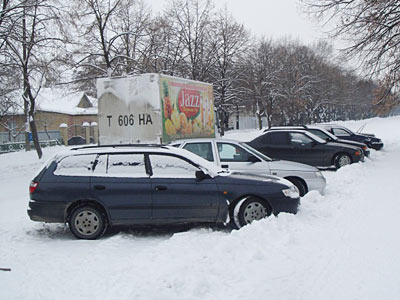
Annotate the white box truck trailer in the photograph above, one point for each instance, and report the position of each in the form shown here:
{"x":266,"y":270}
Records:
{"x":153,"y":108}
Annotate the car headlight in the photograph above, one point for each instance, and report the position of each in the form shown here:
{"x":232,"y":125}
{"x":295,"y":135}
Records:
{"x":319,"y":174}
{"x":291,"y":192}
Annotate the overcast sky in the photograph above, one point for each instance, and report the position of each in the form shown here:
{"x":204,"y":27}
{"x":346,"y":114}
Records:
{"x":271,"y":18}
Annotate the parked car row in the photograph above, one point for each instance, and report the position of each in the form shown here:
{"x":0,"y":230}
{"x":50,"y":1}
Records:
{"x":323,"y":147}
{"x":327,"y":136}
{"x":190,"y":181}
{"x":240,"y":157}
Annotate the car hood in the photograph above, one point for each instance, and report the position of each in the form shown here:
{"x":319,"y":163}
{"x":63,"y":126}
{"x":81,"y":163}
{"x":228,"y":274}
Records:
{"x":248,"y":178}
{"x":371,"y":137}
{"x":354,"y":143}
{"x":339,"y":145}
{"x":366,"y":134}
{"x":285,"y":165}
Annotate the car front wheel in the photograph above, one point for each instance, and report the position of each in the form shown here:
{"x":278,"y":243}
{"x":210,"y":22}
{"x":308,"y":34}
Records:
{"x":87,"y":222}
{"x":342,"y":160}
{"x":301,"y":188}
{"x":250,"y":209}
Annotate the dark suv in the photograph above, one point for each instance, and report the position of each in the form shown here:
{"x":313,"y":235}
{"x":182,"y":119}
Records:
{"x":92,"y":188}
{"x":305,"y":147}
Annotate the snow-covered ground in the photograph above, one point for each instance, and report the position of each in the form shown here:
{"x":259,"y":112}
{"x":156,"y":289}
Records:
{"x":342,"y":245}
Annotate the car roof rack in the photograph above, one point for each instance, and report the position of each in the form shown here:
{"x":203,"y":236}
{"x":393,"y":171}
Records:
{"x":121,"y":145}
{"x":282,"y":127}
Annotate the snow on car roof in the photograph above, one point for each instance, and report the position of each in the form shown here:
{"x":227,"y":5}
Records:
{"x":212,"y":169}
{"x":204,"y":140}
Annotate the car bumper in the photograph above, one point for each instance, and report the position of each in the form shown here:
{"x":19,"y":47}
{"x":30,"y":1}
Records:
{"x":44,"y":211}
{"x":376,"y":145}
{"x":285,"y":204}
{"x":317,"y":184}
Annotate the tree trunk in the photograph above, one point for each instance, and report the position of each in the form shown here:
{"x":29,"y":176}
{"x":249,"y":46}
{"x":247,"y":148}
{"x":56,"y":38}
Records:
{"x":269,"y":119}
{"x":35,"y":136}
{"x":259,"y":121}
{"x":221,"y":115}
{"x":25,"y":96}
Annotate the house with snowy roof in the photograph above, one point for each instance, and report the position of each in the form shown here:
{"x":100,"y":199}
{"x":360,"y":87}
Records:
{"x":54,"y":106}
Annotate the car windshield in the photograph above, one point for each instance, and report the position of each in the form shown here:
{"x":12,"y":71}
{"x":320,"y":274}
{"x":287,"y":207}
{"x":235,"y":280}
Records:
{"x":348,"y":130}
{"x":254,"y":151}
{"x":314,"y":137}
{"x":211,"y":168}
{"x":322,"y":133}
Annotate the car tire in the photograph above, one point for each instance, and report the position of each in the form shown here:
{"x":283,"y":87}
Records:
{"x":342,"y":160}
{"x":87,"y":222}
{"x":250,"y":209}
{"x":302,"y":189}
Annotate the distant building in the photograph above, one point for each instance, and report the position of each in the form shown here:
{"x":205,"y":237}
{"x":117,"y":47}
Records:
{"x":53,"y":107}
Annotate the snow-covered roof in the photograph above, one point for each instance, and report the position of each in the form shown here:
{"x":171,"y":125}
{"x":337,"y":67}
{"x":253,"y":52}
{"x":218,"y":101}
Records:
{"x":59,"y":101}
{"x":212,"y":169}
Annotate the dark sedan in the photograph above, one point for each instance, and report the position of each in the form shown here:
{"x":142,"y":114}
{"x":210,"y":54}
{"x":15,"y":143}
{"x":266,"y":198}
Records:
{"x":93,"y":188}
{"x":304,"y":147}
{"x":325,"y":135}
{"x":346,"y":134}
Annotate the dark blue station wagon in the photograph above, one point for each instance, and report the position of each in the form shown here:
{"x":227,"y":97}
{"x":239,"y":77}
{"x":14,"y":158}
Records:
{"x":93,"y":188}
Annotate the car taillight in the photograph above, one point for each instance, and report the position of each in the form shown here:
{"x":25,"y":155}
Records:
{"x":358,"y":153}
{"x":32,"y":187}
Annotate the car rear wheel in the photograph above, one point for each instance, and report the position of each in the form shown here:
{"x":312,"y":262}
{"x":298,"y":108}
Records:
{"x":87,"y":222}
{"x":342,"y":160}
{"x":250,"y":209}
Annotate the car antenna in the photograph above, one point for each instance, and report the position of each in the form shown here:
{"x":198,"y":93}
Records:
{"x":361,"y":128}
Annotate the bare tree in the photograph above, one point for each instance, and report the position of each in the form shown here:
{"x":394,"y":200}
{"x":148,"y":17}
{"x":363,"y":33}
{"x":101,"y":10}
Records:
{"x":370,"y":27}
{"x":165,"y":52}
{"x":260,"y":79}
{"x":10,"y":14}
{"x":92,"y":21}
{"x":31,"y":49}
{"x":108,"y":38}
{"x":129,"y":29}
{"x":230,"y":41}
{"x":192,"y":23}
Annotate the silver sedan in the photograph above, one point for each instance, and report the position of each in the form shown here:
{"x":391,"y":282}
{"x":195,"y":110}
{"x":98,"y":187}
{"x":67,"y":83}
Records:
{"x":238,"y":156}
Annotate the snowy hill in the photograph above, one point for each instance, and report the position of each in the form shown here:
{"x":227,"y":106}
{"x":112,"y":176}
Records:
{"x":341,"y":245}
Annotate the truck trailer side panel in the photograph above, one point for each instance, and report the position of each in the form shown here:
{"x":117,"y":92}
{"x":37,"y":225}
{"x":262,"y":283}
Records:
{"x":154,"y":108}
{"x":129,"y":110}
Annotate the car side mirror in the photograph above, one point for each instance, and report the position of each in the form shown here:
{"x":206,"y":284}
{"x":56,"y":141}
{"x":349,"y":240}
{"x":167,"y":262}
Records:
{"x":253,"y":159}
{"x":200,"y":175}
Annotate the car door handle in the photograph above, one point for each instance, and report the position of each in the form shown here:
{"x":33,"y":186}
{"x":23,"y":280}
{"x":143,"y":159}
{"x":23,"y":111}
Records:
{"x":160,"y":188}
{"x":225,"y":166}
{"x":99,"y":187}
